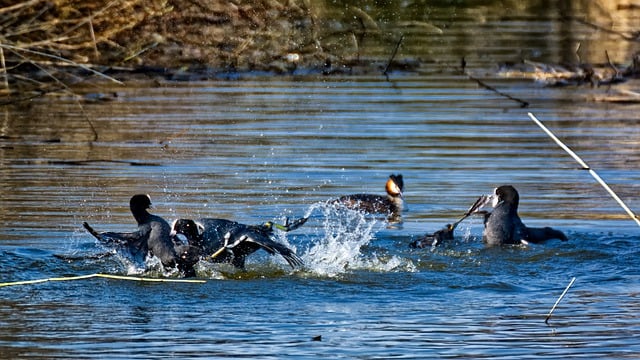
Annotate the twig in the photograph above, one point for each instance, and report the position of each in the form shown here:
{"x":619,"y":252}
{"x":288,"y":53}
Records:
{"x":606,"y":53}
{"x":137,"y":53}
{"x":522,"y":103}
{"x":546,"y":321}
{"x":93,"y":129}
{"x":19,"y":49}
{"x":463,"y":66}
{"x":93,"y":38}
{"x":585,"y":167}
{"x":393,"y":55}
{"x":89,"y":18}
{"x":602,"y":28}
{"x":19,"y":6}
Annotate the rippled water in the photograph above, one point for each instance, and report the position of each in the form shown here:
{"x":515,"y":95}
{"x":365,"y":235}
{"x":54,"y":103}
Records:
{"x":269,"y":148}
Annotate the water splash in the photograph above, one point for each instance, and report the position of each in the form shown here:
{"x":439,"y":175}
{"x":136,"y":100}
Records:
{"x":341,"y":238}
{"x":338,"y":244}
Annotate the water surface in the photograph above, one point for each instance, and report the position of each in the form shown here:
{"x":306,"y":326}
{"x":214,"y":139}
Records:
{"x":270,"y":148}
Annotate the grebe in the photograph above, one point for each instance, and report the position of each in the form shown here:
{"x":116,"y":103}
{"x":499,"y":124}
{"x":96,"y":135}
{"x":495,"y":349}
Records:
{"x":391,"y":204}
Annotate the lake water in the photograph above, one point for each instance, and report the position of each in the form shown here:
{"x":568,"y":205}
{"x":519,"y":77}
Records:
{"x":267,"y":148}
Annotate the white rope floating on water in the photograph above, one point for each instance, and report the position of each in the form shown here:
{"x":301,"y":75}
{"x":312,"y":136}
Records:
{"x":586,"y":167}
{"x":99,"y":275}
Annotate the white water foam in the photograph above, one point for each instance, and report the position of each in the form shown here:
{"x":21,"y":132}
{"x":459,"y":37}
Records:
{"x":342,"y":235}
{"x":334,"y":249}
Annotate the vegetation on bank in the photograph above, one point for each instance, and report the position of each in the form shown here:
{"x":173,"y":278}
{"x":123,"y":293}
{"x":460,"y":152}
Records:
{"x":46,"y":38}
{"x":47,"y":45}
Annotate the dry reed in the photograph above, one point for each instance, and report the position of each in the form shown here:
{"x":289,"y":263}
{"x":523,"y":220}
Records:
{"x":44,"y":37}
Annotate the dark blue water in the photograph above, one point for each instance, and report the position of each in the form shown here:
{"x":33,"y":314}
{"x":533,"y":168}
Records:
{"x":266,"y":149}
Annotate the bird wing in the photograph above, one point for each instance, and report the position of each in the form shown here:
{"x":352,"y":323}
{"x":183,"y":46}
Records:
{"x":113,"y":237}
{"x":214,"y":231}
{"x":264,"y":242}
{"x":288,"y":226}
{"x":276,"y":248}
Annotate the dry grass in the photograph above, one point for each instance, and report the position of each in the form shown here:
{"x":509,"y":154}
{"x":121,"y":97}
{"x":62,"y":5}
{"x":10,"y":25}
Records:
{"x":72,"y":29}
{"x":41,"y":40}
{"x":48,"y":45}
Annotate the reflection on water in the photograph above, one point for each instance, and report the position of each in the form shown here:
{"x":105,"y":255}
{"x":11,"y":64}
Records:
{"x":567,"y":32}
{"x":267,"y":149}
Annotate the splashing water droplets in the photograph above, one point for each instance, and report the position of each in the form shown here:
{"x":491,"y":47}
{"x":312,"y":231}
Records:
{"x":338,"y":249}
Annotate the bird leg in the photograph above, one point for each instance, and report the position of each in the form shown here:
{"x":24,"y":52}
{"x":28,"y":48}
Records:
{"x":288,"y":226}
{"x":227,"y":246}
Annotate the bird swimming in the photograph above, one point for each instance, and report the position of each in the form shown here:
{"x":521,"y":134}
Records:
{"x":503,"y":224}
{"x":392,"y":204}
{"x":221,"y":240}
{"x":433,"y":239}
{"x":153,"y":237}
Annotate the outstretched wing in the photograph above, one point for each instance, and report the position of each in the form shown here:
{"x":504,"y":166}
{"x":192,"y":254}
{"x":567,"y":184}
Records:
{"x":273,"y":247}
{"x":112,"y":237}
{"x":92,"y":231}
{"x":263,"y":241}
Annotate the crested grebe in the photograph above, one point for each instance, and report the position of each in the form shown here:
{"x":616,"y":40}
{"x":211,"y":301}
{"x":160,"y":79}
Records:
{"x":391,"y":204}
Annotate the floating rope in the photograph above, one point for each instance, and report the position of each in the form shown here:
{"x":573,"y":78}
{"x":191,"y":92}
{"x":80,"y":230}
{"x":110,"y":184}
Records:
{"x":586,"y":167}
{"x":106,"y":276}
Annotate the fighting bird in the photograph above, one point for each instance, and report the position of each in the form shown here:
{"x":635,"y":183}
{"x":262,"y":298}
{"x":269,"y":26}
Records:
{"x":153,"y":237}
{"x":221,"y":240}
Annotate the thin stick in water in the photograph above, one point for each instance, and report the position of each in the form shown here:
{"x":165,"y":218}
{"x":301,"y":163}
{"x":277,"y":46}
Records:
{"x":393,"y":55}
{"x":546,"y":321}
{"x":523,"y":104}
{"x":586,"y":167}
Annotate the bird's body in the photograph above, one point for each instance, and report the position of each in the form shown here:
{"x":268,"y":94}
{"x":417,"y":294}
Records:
{"x":435,"y":239}
{"x":153,"y":237}
{"x":504,"y":226}
{"x":222,"y":240}
{"x":391,"y":204}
